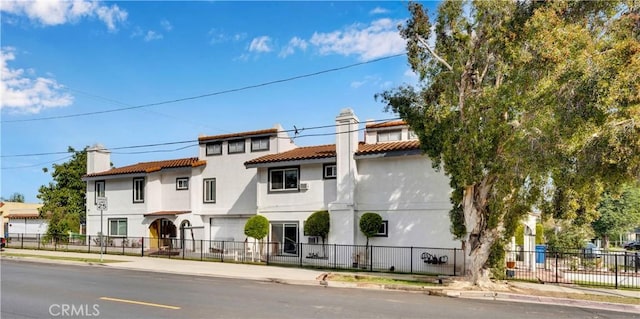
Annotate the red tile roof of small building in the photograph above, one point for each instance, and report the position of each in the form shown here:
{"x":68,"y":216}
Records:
{"x":149,"y":167}
{"x":24,"y":216}
{"x":271,"y":131}
{"x":387,"y":124}
{"x":328,"y":151}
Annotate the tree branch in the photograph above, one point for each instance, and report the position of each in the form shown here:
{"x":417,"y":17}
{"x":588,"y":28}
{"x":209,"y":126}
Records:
{"x":437,"y":57}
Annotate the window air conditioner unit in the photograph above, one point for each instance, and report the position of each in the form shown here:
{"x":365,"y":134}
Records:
{"x":304,"y":186}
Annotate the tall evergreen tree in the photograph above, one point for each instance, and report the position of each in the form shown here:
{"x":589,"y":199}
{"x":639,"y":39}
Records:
{"x":619,"y":213}
{"x":64,"y":198}
{"x":520,"y":102}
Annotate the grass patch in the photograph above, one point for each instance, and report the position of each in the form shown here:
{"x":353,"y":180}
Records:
{"x":378,"y":280}
{"x":85,"y":260}
{"x":589,"y":297}
{"x":595,"y":284}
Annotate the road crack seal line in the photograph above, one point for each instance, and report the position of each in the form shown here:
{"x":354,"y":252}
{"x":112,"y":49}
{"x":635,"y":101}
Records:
{"x":141,"y":303}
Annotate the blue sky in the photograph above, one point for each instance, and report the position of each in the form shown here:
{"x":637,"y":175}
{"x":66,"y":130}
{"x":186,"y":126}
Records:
{"x":67,"y":58}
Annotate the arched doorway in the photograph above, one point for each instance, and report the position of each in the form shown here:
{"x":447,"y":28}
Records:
{"x":187,"y":238}
{"x":162,"y":231}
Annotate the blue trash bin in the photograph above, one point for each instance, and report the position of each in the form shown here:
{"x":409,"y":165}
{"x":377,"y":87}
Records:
{"x":540,"y":253}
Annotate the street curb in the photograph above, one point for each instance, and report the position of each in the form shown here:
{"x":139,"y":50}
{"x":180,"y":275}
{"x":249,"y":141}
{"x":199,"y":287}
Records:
{"x":503,"y":296}
{"x":52,"y":261}
{"x":440,"y":291}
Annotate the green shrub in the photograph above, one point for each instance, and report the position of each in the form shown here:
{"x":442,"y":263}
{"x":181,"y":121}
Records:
{"x":370,"y":224}
{"x":318,"y":224}
{"x":257,"y":227}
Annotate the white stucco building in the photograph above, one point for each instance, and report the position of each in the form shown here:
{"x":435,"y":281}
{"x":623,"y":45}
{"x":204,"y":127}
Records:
{"x":235,"y":176}
{"x":385,"y":174}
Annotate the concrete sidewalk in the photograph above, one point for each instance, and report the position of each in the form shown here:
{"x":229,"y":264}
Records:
{"x":518,"y":292}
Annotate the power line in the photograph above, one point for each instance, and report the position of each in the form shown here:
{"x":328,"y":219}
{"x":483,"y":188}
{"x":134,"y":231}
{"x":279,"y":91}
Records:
{"x":207,"y":94}
{"x":98,"y":97}
{"x":39,"y":164}
{"x":196,"y":141}
{"x":156,"y":151}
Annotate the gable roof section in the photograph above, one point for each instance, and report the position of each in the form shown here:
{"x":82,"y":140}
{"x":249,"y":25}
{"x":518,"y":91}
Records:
{"x":329,"y":151}
{"x":20,"y":210}
{"x":268,"y":132}
{"x":297,"y":154}
{"x":387,"y":147}
{"x":149,"y":167}
{"x":386,"y":124}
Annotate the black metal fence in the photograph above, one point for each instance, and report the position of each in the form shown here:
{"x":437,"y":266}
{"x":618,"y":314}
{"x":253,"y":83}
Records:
{"x":412,"y":260}
{"x":619,"y":269}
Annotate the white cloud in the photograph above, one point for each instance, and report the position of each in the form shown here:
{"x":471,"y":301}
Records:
{"x":379,"y":39}
{"x":371,"y":80}
{"x":22,"y":92}
{"x":294,"y":43}
{"x":357,"y":84}
{"x":218,"y":36}
{"x":260,"y":44}
{"x":56,"y":12}
{"x":411,"y":77}
{"x":378,"y":10}
{"x":137,"y":32}
{"x":166,"y":25}
{"x":152,"y":35}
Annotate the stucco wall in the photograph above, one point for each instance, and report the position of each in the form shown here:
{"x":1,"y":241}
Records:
{"x":320,"y":192}
{"x":172,"y":198}
{"x":27,"y":226}
{"x":411,"y":195}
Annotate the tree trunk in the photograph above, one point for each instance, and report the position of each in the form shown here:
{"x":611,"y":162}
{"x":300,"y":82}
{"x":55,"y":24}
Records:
{"x":605,"y":242}
{"x":479,"y":238}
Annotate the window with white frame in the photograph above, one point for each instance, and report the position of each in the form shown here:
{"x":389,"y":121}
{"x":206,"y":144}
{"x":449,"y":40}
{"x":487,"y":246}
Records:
{"x":260,"y":144}
{"x":99,"y":190}
{"x":236,"y":146}
{"x":118,"y":227}
{"x":330,"y":171}
{"x":283,"y":179}
{"x":138,"y":190}
{"x":214,"y":148}
{"x":209,"y":190}
{"x":388,"y":136}
{"x":182,"y":183}
{"x":383,"y":231}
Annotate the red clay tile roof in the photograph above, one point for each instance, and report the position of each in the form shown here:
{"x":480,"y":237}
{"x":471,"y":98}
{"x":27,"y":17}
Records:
{"x":24,"y":216}
{"x":364,"y":149}
{"x":300,"y":153}
{"x":148,"y":167}
{"x":271,"y":131}
{"x":328,"y":151}
{"x":387,"y":124}
{"x":168,"y":213}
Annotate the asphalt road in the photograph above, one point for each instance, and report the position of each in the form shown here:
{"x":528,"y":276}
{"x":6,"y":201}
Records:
{"x":41,"y":290}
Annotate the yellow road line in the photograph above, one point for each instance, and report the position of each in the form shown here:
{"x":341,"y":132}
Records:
{"x":140,"y":303}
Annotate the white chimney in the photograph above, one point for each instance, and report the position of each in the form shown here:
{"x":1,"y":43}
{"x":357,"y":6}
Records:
{"x":346,"y":147}
{"x":98,"y":159}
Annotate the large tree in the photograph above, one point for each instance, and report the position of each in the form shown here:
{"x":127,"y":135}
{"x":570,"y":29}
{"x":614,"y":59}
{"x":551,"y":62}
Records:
{"x":525,"y":105}
{"x":619,"y":213}
{"x":15,"y":197}
{"x":64,"y":198}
